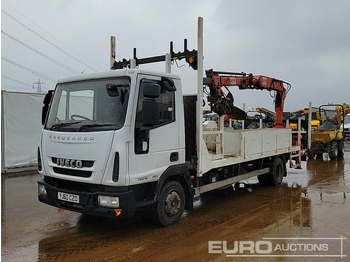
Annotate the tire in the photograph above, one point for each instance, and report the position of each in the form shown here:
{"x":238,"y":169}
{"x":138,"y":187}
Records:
{"x":170,"y":205}
{"x":333,"y":150}
{"x":341,"y":150}
{"x":277,"y":172}
{"x":310,"y":153}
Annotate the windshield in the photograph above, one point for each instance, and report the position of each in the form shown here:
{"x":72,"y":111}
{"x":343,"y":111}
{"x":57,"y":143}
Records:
{"x":89,"y":105}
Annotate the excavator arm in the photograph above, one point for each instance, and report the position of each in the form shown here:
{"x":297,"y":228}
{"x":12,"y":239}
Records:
{"x":269,"y":114}
{"x":223,"y":104}
{"x":341,"y":112}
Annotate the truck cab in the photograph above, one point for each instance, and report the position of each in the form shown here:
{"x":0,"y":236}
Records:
{"x":111,"y":140}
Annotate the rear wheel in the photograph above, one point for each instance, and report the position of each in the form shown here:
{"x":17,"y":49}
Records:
{"x":333,"y":150}
{"x":170,"y":205}
{"x":277,"y":172}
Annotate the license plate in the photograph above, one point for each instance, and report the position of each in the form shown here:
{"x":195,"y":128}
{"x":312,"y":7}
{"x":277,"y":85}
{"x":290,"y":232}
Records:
{"x":68,"y":197}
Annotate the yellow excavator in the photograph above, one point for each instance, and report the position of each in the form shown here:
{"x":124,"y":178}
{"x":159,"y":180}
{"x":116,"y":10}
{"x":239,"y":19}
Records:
{"x":328,"y":137}
{"x":315,"y":124}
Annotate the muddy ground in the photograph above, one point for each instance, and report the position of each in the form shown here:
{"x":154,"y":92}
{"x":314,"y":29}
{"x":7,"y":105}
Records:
{"x":307,"y":218}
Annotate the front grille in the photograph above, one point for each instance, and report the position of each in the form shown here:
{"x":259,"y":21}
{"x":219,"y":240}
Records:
{"x":72,"y":172}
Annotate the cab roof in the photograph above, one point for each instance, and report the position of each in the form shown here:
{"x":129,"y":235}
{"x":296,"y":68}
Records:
{"x":115,"y":73}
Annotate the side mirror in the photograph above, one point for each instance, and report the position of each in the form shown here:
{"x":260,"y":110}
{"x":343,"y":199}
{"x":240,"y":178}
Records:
{"x":112,"y":90}
{"x":168,"y":84}
{"x":45,"y":108}
{"x":151,"y":90}
{"x":150,"y":107}
{"x":150,"y":113}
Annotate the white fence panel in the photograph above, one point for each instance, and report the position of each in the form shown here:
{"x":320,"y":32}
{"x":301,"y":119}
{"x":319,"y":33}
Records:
{"x":20,"y":130}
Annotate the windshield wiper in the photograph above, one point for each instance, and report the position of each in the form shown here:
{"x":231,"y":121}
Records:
{"x":95,"y":125}
{"x":56,"y":126}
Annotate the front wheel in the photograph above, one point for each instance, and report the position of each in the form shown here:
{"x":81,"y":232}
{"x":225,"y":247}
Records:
{"x":333,"y":150}
{"x":341,"y":150}
{"x":170,"y":205}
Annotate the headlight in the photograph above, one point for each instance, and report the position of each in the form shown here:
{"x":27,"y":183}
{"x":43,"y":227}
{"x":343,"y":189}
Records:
{"x":41,"y":190}
{"x":107,"y":201}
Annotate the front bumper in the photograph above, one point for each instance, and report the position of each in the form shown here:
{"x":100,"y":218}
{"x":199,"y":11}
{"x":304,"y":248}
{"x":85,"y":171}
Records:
{"x":88,"y":198}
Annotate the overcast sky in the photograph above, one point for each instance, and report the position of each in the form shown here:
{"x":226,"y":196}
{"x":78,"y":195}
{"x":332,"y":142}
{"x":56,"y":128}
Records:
{"x":305,"y":43}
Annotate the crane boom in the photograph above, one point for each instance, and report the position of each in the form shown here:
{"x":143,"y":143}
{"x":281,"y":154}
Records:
{"x":223,"y":104}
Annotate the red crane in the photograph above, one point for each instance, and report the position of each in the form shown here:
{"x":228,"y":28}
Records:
{"x":222,"y":103}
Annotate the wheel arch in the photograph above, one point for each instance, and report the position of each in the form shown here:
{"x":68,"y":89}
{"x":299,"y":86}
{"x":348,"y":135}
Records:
{"x":180,"y":174}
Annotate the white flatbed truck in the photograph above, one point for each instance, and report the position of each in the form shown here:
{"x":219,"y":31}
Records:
{"x":127,"y":139}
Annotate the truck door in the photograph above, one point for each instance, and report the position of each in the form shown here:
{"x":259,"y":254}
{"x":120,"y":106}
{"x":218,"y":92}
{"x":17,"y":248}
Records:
{"x":155,"y":146}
